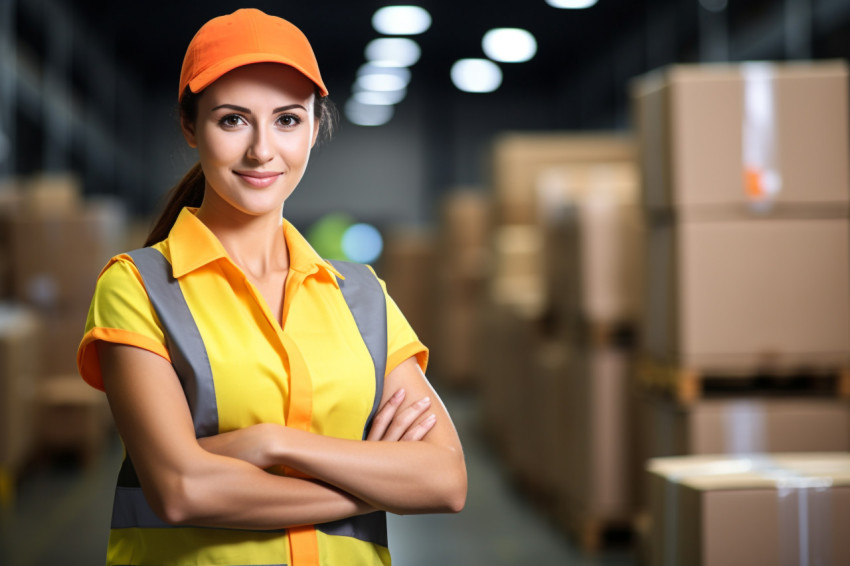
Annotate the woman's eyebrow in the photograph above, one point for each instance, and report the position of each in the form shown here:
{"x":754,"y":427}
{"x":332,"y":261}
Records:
{"x":247,"y":111}
{"x":289,"y":107}
{"x":232,"y":107}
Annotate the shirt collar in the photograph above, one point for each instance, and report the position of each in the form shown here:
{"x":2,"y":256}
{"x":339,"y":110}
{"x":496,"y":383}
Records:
{"x":193,"y":245}
{"x":302,"y":256}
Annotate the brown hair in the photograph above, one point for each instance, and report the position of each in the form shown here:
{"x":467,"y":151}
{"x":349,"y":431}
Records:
{"x":189,"y":191}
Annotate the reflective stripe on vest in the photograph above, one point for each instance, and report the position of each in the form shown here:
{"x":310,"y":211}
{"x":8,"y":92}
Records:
{"x":364,"y":297}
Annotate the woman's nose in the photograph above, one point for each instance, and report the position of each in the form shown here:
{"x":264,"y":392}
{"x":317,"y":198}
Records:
{"x":260,"y":149}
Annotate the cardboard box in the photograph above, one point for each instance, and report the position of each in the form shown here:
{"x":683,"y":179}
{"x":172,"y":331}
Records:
{"x":465,"y":220}
{"x":745,"y":294}
{"x":593,"y":463}
{"x":454,"y":356}
{"x":464,"y":233}
{"x":72,"y":417}
{"x":506,"y":343}
{"x":51,"y":194}
{"x":57,"y":257}
{"x":408,"y":267}
{"x":461,"y":276}
{"x":517,"y":160}
{"x":784,"y":509}
{"x":711,"y":135}
{"x":62,"y":331}
{"x":517,"y":274}
{"x":745,"y":425}
{"x":20,"y":370}
{"x":594,"y":258}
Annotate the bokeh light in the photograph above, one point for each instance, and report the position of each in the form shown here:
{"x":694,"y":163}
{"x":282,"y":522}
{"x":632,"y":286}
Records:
{"x":509,"y":45}
{"x":338,"y":236}
{"x":401,"y":20}
{"x":368,"y":114}
{"x":476,"y":75}
{"x":393,"y":52}
{"x":362,"y":243}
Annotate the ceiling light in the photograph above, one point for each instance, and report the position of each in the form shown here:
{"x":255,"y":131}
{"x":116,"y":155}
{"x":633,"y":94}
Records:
{"x":393,"y":52}
{"x":476,"y":75}
{"x":509,"y":45}
{"x":367,"y":114}
{"x":374,"y":77}
{"x":379,"y":98}
{"x":571,"y":4}
{"x":401,"y":20}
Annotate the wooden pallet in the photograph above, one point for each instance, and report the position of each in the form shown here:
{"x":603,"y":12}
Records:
{"x":688,"y":385}
{"x":621,"y":334}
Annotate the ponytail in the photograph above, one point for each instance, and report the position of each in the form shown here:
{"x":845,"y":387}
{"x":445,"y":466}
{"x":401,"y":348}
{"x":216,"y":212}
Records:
{"x":188,"y":192}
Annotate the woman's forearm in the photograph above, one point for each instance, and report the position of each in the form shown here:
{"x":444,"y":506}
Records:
{"x":390,"y":470}
{"x":402,"y":477}
{"x":184,"y":480}
{"x":224,"y":492}
{"x":412,"y":462}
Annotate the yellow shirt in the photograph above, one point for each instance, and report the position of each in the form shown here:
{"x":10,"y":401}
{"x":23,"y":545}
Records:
{"x":314,"y":372}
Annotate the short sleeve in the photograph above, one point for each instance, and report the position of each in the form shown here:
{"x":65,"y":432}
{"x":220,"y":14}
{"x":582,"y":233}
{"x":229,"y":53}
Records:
{"x":121,"y":313}
{"x":402,"y":342}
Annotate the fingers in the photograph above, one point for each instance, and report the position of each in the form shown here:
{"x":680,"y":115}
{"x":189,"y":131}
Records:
{"x":392,"y":424}
{"x":420,"y":429}
{"x":385,"y":415}
{"x":405,"y":419}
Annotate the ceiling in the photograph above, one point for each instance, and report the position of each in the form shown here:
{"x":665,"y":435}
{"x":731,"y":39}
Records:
{"x":149,"y":38}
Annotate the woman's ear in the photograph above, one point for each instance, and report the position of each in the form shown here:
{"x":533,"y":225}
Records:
{"x":315,"y":134}
{"x":188,"y":128}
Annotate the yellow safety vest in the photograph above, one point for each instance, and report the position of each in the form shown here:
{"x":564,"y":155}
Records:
{"x":137,"y":535}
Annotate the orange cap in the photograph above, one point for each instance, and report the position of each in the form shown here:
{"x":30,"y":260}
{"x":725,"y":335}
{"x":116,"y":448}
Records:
{"x":244,"y":37}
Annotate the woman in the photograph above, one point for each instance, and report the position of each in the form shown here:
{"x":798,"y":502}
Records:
{"x":274,"y":453}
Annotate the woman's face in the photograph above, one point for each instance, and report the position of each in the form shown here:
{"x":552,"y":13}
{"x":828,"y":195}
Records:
{"x":254,"y":131}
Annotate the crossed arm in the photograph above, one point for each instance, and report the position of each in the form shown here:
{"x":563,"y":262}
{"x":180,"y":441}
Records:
{"x":412,"y":461}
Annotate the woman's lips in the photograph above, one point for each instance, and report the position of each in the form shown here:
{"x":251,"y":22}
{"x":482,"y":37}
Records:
{"x":259,"y":179}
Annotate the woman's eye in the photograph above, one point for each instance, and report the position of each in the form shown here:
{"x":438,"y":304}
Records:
{"x":231,"y":120}
{"x":289,"y":120}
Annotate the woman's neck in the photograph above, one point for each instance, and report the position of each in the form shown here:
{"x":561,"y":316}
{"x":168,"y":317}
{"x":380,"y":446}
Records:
{"x":255,"y":243}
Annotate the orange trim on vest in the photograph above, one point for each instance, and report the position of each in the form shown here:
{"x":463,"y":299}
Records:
{"x":304,"y":546}
{"x":303,"y":541}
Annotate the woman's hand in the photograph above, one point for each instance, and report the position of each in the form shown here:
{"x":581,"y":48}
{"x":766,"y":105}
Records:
{"x":253,"y":444}
{"x":390,"y":424}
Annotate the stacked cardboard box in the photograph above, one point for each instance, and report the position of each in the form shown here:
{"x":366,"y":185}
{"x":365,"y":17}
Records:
{"x":747,"y":282}
{"x":56,"y":243}
{"x":786,"y":509}
{"x":748,"y":248}
{"x":518,"y":159}
{"x":460,"y":280}
{"x":19,"y":372}
{"x":745,"y":426}
{"x":563,"y":288}
{"x":407,"y":267}
{"x":593,"y":254}
{"x":59,"y":243}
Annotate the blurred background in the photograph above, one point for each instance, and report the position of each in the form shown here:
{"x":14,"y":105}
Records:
{"x":621,"y":227}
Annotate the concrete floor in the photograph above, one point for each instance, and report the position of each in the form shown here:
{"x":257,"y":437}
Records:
{"x":61,"y":516}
